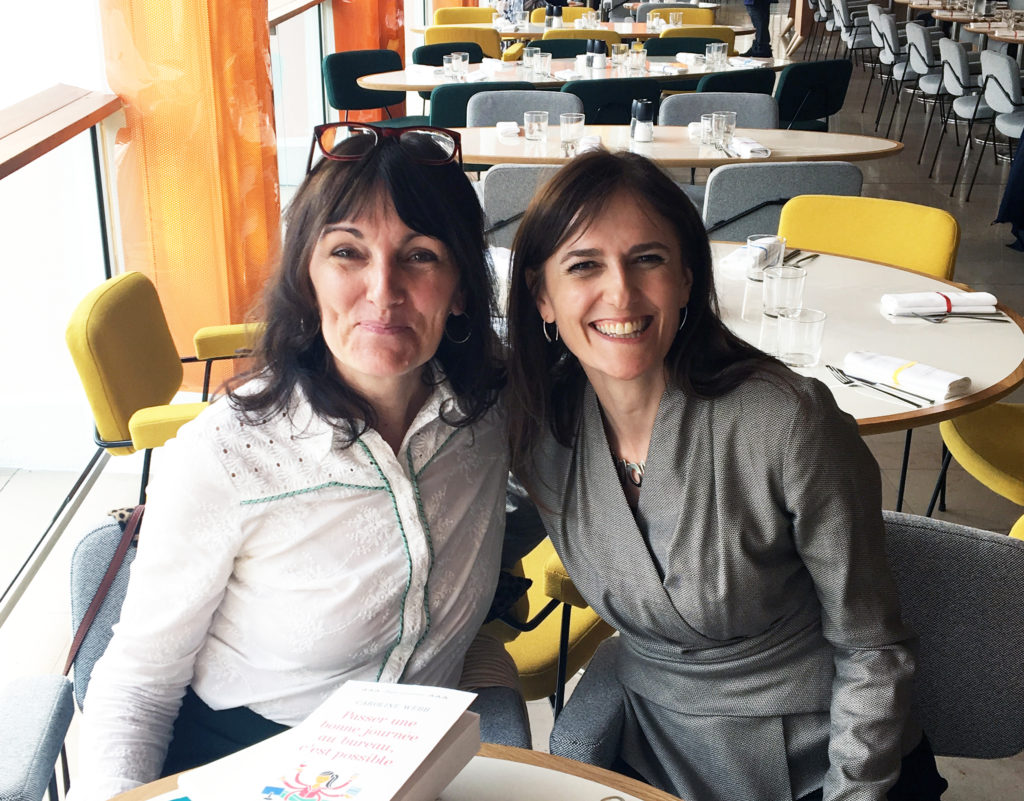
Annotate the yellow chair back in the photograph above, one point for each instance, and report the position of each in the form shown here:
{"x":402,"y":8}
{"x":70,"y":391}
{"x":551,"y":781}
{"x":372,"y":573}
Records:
{"x":691,"y":16}
{"x":609,"y":37}
{"x":1018,"y":529}
{"x":569,"y":14}
{"x":458,"y":15}
{"x":487,"y":38}
{"x":909,"y":235}
{"x":722,"y":33}
{"x":125,"y":356}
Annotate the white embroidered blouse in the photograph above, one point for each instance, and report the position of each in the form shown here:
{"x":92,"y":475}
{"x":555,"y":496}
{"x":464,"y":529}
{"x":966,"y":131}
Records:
{"x":273,"y":566}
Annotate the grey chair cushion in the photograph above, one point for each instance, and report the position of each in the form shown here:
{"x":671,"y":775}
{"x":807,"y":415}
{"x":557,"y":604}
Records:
{"x":503,"y":718}
{"x":88,"y":564}
{"x":490,"y":108}
{"x":961,"y":590}
{"x":34,"y":716}
{"x":752,"y":110}
{"x":735,"y":188}
{"x":508,"y":189}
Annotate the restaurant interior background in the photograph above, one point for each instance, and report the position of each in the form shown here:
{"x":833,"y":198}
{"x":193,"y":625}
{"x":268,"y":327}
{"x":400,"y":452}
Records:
{"x":50,"y":256}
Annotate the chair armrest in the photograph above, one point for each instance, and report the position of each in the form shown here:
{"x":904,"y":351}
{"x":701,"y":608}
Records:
{"x":36,"y":712}
{"x":558,"y":585}
{"x":226,"y":341}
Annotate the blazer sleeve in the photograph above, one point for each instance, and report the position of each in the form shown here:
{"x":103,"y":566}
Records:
{"x":187,"y":546}
{"x":833,"y":491}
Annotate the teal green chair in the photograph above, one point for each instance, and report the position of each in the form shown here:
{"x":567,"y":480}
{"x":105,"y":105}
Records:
{"x":432,"y":55}
{"x":448,"y":101}
{"x":756,"y":81}
{"x":341,"y":71}
{"x":669,"y":46}
{"x":560,"y":48}
{"x":810,"y":92}
{"x":609,"y":101}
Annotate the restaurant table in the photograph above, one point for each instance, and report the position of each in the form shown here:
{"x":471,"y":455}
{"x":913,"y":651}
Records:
{"x":627,"y":30}
{"x":849,"y":291}
{"x":500,"y":773}
{"x":424,"y":78}
{"x":673,"y":147}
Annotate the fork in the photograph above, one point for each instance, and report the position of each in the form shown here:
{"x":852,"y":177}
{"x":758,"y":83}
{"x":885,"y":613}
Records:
{"x":941,"y":317}
{"x":843,"y":378}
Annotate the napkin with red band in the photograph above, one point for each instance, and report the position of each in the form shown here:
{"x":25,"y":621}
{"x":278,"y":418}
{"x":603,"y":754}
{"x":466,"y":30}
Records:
{"x":907,"y":304}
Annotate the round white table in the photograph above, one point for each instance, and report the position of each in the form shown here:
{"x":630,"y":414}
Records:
{"x":849,"y":290}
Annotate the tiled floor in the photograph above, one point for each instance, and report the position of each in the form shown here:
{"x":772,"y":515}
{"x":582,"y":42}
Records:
{"x":34,"y":638}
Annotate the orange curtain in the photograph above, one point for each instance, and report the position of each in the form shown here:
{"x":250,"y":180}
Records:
{"x":197,"y":185}
{"x":370,"y":25}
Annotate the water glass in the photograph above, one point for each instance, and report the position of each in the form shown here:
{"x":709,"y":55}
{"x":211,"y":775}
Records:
{"x":542,"y":65}
{"x":571,"y":126}
{"x":724,"y":127}
{"x":522,"y":19}
{"x":460,"y":61}
{"x":764,"y":251}
{"x":529,"y":54}
{"x":783,"y":289}
{"x":583,"y":61}
{"x":801,"y":334}
{"x":675,"y":18}
{"x":535,"y":123}
{"x":637,"y":60}
{"x":448,"y":66}
{"x":707,"y":131}
{"x":715,"y":54}
{"x":619,"y":51}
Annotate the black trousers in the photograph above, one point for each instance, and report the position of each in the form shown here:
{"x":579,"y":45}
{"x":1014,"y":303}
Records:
{"x":760,"y":12}
{"x":919,"y":778}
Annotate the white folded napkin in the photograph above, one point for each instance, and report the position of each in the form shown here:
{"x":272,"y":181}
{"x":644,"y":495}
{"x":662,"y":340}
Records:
{"x":663,"y":69}
{"x":492,"y":64}
{"x":749,"y":148}
{"x":688,"y":58}
{"x":507,"y":128}
{"x":912,"y":376}
{"x":693,"y":129}
{"x":568,"y":75}
{"x":589,"y":142}
{"x":907,"y":304}
{"x":477,"y":76}
{"x":747,"y":61}
{"x":734,"y":265}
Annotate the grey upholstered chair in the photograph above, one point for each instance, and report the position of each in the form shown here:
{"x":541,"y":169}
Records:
{"x":34,"y":716}
{"x":508,"y":189}
{"x":643,"y":9}
{"x":489,"y":108}
{"x":734,"y":191}
{"x":752,"y":110}
{"x":960,"y":591}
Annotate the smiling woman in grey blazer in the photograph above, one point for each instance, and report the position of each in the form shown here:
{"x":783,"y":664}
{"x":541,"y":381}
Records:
{"x":716,"y":508}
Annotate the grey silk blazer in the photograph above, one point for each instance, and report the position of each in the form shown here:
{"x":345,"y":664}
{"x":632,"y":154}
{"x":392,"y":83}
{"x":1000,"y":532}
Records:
{"x":765,"y":655}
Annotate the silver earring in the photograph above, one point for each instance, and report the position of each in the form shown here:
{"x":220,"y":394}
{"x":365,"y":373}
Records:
{"x":547,"y":336}
{"x":452,"y":339}
{"x":686,"y":312}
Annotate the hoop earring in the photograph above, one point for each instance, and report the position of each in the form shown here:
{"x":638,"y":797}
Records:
{"x":547,"y":336}
{"x":686,"y":313}
{"x":453,"y":340}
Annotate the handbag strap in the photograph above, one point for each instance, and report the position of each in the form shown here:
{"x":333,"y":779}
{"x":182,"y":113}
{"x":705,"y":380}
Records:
{"x":130,"y":532}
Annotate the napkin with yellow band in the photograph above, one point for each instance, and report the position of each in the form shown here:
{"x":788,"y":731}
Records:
{"x":907,"y":304}
{"x":906,"y":373}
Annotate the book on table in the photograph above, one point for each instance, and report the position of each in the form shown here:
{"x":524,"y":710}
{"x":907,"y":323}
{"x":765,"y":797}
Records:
{"x":368,"y":741}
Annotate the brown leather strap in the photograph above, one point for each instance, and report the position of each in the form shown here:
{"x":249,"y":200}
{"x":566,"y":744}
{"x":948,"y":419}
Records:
{"x":130,"y":530}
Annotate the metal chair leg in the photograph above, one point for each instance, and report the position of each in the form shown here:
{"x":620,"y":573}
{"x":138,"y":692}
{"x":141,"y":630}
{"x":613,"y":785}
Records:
{"x":563,"y":659}
{"x":903,"y":470}
{"x":940,"y":484}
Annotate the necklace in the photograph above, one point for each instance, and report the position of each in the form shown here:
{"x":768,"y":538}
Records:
{"x":633,"y":472}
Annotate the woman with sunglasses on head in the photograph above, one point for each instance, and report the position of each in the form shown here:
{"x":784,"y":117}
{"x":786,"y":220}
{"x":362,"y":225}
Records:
{"x":716,"y":508}
{"x":338,"y":515}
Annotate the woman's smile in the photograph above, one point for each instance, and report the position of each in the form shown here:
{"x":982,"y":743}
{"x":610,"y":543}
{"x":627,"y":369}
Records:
{"x":623,"y":329}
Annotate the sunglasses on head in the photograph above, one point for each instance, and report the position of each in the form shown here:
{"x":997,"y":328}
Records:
{"x":422,"y":143}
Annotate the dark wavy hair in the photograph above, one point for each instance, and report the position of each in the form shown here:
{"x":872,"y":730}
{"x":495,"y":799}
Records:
{"x":433,"y":200}
{"x":546,"y":380}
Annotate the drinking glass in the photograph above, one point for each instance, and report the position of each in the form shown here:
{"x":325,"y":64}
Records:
{"x":448,"y":66}
{"x":529,"y":53}
{"x":542,"y":65}
{"x":707,"y":131}
{"x":675,"y":18}
{"x":724,"y":127}
{"x":801,"y":334}
{"x":460,"y":61}
{"x":535,"y":123}
{"x":571,"y":127}
{"x":637,"y":60}
{"x":783,"y":289}
{"x":764,"y":250}
{"x":522,"y":19}
{"x":619,"y":54}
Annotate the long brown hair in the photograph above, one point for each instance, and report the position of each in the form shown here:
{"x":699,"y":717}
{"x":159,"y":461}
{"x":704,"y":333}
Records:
{"x":546,"y":380}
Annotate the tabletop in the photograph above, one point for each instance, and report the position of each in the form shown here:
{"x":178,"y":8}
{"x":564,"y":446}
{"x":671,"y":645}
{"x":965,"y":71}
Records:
{"x":423,"y":78}
{"x":997,"y":31}
{"x":500,"y":773}
{"x":627,"y":30}
{"x":673,"y":147}
{"x":849,"y":290}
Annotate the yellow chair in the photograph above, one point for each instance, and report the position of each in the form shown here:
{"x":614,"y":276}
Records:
{"x":487,"y":38}
{"x":553,"y":646}
{"x":569,"y":14}
{"x":691,"y":16}
{"x":458,"y":15}
{"x":1018,"y":529}
{"x":130,"y":369}
{"x":609,"y":37}
{"x":989,"y":445}
{"x":722,"y":33}
{"x":909,"y":235}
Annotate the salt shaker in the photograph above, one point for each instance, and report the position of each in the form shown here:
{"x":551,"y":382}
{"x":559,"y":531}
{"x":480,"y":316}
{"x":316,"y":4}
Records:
{"x":641,"y":128}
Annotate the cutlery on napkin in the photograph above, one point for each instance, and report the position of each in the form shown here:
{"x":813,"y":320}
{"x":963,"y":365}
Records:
{"x":906,"y":304}
{"x":906,"y":374}
{"x":747,"y":148}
